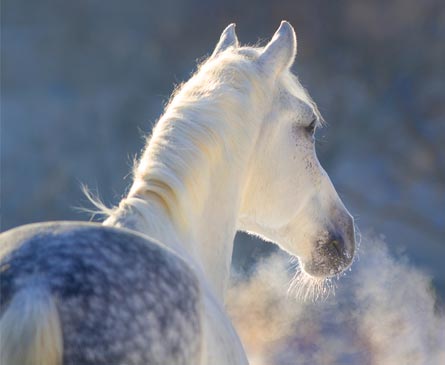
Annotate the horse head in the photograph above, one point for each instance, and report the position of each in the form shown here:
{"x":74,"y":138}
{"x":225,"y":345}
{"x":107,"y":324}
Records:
{"x":289,"y":198}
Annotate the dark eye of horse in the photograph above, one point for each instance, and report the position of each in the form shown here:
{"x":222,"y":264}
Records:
{"x":311,"y":127}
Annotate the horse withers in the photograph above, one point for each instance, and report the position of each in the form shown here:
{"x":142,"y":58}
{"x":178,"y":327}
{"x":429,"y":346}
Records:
{"x":234,"y":150}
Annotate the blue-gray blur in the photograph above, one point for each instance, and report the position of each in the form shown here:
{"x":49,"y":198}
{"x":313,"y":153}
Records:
{"x":81,"y":79}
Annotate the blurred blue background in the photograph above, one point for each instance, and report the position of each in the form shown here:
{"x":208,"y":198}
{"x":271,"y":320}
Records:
{"x":81,"y":81}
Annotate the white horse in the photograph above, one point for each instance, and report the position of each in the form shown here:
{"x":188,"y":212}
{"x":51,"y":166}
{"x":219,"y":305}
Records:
{"x":234,"y":150}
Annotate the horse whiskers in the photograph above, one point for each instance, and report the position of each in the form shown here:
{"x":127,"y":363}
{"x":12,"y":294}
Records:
{"x":308,"y":288}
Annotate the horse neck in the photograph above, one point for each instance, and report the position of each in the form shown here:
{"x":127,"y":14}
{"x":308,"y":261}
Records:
{"x":193,"y":207}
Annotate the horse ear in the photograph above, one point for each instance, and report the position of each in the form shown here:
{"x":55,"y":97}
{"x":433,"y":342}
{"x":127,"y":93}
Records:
{"x":280,"y":52}
{"x":228,"y":39}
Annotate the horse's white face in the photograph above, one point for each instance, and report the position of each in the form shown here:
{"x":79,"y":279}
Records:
{"x":289,"y":199}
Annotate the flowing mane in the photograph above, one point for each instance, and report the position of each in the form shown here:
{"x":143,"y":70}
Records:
{"x":202,"y":123}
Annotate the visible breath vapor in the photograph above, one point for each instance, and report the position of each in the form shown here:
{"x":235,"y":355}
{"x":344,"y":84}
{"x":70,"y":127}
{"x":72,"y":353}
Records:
{"x":383,"y":312}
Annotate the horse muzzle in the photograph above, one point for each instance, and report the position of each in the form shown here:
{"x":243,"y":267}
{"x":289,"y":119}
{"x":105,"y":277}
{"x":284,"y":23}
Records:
{"x":335,"y":253}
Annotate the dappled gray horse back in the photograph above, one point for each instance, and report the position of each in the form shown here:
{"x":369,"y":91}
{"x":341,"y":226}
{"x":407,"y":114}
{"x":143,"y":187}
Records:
{"x":122,"y":299}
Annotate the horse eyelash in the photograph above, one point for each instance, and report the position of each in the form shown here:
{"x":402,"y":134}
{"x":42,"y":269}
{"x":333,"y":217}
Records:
{"x":311,"y":127}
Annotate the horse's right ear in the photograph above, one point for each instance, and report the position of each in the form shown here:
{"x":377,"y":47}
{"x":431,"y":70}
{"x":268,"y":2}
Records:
{"x":228,"y":39}
{"x":280,"y":52}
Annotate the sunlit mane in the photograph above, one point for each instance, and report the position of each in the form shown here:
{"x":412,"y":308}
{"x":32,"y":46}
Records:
{"x":203,"y":122}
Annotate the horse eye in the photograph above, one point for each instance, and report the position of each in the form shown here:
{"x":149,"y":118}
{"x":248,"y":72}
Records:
{"x":311,"y":127}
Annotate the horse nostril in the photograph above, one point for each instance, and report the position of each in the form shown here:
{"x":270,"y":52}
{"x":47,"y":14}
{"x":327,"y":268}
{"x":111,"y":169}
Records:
{"x":337,"y":246}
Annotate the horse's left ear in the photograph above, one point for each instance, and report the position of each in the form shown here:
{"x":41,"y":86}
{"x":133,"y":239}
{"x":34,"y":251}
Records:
{"x":228,"y":39}
{"x":280,"y":52}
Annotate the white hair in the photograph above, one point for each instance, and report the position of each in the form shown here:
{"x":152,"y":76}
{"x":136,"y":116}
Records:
{"x":205,"y":119}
